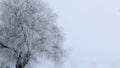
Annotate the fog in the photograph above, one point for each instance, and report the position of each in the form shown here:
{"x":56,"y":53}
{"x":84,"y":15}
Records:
{"x":92,"y":31}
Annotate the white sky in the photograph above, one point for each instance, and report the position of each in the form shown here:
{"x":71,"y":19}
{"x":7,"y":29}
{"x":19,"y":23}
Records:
{"x":92,"y":29}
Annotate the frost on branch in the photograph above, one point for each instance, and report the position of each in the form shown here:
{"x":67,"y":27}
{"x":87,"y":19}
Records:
{"x":28,"y":30}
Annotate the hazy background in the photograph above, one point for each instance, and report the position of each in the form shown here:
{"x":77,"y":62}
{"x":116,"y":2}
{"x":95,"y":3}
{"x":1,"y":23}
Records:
{"x":92,"y":29}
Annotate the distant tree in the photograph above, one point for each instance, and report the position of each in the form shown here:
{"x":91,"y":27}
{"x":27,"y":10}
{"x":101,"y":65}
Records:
{"x":28,"y":31}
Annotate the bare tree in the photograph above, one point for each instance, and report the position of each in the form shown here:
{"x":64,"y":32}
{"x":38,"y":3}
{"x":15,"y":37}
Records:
{"x":28,"y":31}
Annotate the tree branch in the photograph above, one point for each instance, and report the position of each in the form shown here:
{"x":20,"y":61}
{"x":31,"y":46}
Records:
{"x":2,"y":45}
{"x":5,"y":46}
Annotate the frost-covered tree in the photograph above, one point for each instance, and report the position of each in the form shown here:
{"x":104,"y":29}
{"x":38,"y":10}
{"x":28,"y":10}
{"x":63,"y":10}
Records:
{"x":28,"y":31}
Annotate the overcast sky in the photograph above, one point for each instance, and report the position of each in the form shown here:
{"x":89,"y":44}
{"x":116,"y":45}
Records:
{"x":92,"y":29}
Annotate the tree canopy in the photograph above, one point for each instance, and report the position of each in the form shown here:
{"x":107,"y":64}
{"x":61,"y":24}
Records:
{"x":28,"y":30}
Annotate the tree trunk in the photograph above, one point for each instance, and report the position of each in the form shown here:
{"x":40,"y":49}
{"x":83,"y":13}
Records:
{"x":21,"y":62}
{"x":19,"y":66}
